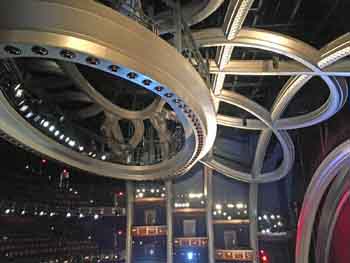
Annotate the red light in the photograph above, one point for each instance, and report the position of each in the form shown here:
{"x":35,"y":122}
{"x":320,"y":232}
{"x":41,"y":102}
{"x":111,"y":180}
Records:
{"x":121,"y":193}
{"x":264,"y":258}
{"x":262,"y":251}
{"x":120,"y":232}
{"x":43,"y":161}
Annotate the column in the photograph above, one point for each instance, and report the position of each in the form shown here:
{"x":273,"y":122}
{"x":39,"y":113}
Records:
{"x":253,"y":216}
{"x":178,"y":25}
{"x":169,"y":219}
{"x":130,"y":219}
{"x":208,"y":190}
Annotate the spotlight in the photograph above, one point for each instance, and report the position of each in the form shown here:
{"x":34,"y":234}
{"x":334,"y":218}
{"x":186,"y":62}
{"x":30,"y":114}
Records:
{"x":46,"y":124}
{"x":19,"y":93}
{"x":218,"y":207}
{"x":52,"y":128}
{"x":68,"y":215}
{"x":24,"y":108}
{"x":96,"y":216}
{"x":239,"y":205}
{"x":189,"y":255}
{"x":29,"y":115}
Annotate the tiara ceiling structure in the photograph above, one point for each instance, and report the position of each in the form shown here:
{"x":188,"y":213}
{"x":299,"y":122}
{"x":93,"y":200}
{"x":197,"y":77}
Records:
{"x":108,"y":46}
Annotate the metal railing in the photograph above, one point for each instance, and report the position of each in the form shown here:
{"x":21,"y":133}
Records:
{"x":128,"y":10}
{"x":190,"y":50}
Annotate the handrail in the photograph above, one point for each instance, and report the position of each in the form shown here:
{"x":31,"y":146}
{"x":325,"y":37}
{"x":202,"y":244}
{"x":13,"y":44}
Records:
{"x":192,"y":53}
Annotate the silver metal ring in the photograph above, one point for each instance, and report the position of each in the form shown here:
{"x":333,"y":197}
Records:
{"x":300,"y":52}
{"x":25,"y":25}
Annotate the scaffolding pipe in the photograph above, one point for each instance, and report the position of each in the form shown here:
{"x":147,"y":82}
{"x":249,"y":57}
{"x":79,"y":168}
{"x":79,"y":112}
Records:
{"x":130,"y":219}
{"x":208,"y":180}
{"x":169,"y":219}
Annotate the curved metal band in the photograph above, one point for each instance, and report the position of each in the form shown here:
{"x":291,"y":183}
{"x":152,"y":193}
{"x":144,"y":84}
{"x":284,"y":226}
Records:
{"x":321,"y":180}
{"x":264,"y":116}
{"x":337,"y":197}
{"x":300,"y":52}
{"x":72,"y":71}
{"x":27,"y":24}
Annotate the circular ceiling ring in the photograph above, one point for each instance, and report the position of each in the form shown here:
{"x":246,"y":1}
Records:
{"x":298,"y":51}
{"x":283,"y":137}
{"x":80,"y":81}
{"x":336,"y":198}
{"x":302,"y":53}
{"x":26,"y":31}
{"x":332,"y":166}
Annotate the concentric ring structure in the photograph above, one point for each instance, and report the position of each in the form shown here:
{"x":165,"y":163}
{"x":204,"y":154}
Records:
{"x":86,"y":33}
{"x":313,"y":62}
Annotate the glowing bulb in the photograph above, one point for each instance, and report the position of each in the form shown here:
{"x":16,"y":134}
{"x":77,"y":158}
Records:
{"x":189,"y":255}
{"x":19,"y":93}
{"x":24,"y":108}
{"x":239,"y":205}
{"x":218,"y":207}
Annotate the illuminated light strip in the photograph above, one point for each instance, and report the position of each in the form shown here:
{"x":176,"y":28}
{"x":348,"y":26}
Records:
{"x":234,"y":19}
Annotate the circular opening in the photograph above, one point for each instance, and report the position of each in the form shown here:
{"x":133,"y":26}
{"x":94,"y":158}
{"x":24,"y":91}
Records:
{"x":51,"y":101}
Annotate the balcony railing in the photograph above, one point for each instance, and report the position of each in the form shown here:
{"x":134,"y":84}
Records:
{"x":149,"y":231}
{"x":182,"y":242}
{"x":236,"y":255}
